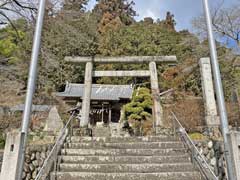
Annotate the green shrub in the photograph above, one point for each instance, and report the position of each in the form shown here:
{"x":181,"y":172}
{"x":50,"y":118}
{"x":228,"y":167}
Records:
{"x":139,"y":112}
{"x":2,"y":142}
{"x":140,"y":108}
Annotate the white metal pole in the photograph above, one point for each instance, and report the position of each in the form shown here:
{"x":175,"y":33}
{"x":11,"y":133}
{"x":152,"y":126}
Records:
{"x":31,"y":86}
{"x":219,"y":90}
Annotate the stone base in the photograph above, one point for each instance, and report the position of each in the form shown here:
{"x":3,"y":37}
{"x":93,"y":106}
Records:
{"x":54,"y":123}
{"x":115,"y":129}
{"x":101,"y":131}
{"x":163,"y":131}
{"x":100,"y":124}
{"x":83,"y":131}
{"x":212,"y":121}
{"x":214,"y":132}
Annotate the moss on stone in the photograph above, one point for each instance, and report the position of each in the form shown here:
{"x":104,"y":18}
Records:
{"x":197,"y":136}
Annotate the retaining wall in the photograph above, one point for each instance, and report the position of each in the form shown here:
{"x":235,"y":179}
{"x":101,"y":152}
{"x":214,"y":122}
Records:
{"x":214,"y":154}
{"x":34,"y":159}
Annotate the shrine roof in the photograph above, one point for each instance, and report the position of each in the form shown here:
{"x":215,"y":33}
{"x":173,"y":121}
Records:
{"x":99,"y":91}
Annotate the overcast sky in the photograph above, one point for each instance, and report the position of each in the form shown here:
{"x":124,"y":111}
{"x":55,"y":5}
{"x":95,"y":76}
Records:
{"x":184,"y":10}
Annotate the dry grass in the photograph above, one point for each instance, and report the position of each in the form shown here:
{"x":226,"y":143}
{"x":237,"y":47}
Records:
{"x":189,"y":112}
{"x":8,"y":93}
{"x":9,"y":122}
{"x":233,"y":110}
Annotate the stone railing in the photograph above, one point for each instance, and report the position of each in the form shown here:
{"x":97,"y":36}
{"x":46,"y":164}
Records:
{"x":197,"y":157}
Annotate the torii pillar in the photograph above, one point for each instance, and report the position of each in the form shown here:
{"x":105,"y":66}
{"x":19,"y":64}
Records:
{"x":157,"y":108}
{"x":211,"y":115}
{"x":86,"y":102}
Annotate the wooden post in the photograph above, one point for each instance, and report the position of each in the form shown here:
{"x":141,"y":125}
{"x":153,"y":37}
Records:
{"x":102,"y":113}
{"x":157,"y":108}
{"x":87,"y":95}
{"x":110,"y":115}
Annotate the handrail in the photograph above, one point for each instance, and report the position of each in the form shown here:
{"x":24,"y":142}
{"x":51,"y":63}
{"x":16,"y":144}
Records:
{"x":197,"y":156}
{"x":55,"y":150}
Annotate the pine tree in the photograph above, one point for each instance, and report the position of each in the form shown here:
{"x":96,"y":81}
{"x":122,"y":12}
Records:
{"x":75,"y":5}
{"x":169,"y":23}
{"x":111,"y":11}
{"x":73,"y":9}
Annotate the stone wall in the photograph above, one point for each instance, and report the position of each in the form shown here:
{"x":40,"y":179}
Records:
{"x":34,"y":159}
{"x":214,"y":154}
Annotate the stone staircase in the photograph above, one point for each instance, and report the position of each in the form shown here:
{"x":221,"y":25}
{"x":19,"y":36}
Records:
{"x":101,"y":131}
{"x":124,"y":158}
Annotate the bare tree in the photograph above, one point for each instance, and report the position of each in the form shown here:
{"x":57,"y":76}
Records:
{"x":12,"y":9}
{"x":226,"y":23}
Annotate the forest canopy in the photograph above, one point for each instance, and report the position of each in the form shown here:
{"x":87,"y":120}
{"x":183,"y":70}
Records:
{"x":110,"y":29}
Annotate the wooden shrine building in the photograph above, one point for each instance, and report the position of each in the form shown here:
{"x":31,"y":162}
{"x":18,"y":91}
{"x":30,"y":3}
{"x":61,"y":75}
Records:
{"x":106,"y":100}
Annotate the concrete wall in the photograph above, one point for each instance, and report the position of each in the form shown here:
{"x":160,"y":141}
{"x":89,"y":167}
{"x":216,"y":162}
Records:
{"x":34,"y":158}
{"x":10,"y":159}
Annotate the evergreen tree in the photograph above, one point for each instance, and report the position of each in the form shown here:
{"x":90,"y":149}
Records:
{"x":139,"y":111}
{"x":140,"y":108}
{"x":169,"y":22}
{"x":75,"y":5}
{"x":114,"y":12}
{"x":73,"y":9}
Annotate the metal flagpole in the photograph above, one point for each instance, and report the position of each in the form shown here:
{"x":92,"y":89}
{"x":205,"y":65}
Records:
{"x":31,"y":86}
{"x":219,"y":91}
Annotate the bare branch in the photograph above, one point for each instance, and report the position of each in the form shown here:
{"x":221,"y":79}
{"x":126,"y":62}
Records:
{"x":24,"y":7}
{"x":226,"y":23}
{"x":9,"y":20}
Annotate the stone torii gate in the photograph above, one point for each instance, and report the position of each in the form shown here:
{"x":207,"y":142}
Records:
{"x":152,"y":73}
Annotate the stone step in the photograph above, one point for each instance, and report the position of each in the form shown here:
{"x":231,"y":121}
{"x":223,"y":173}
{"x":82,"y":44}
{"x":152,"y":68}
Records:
{"x":125,"y":152}
{"x":127,"y":168}
{"x":101,"y":131}
{"x":76,"y":139}
{"x":127,"y":145}
{"x":124,"y":159}
{"x":191,"y":175}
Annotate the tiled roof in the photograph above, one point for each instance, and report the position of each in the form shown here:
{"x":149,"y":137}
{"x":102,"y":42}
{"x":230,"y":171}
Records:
{"x":99,"y":91}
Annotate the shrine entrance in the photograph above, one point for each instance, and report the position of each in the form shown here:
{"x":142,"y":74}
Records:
{"x":151,"y":73}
